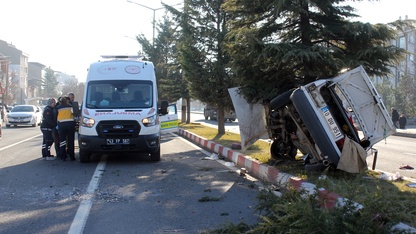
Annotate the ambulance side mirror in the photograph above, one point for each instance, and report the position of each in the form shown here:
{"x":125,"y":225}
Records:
{"x":163,"y":110}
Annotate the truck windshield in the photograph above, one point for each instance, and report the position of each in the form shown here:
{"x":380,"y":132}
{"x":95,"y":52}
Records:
{"x":119,"y":94}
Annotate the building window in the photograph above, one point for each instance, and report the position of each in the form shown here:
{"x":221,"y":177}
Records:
{"x":411,"y":38}
{"x":402,"y":43}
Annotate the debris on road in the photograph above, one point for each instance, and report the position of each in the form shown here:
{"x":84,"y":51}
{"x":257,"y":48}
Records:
{"x":407,"y":167}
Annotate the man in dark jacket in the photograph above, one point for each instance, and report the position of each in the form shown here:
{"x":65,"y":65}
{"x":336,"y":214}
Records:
{"x":395,"y":117}
{"x":402,"y":121}
{"x":47,"y":127}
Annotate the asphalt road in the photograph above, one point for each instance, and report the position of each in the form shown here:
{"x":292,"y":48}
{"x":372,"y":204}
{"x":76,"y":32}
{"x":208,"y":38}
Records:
{"x":184,"y":193}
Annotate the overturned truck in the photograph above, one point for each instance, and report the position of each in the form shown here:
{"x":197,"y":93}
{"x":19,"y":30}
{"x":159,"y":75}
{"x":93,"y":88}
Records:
{"x":332,"y":122}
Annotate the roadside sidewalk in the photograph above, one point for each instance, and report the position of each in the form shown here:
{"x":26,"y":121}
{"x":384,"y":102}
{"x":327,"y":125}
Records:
{"x":274,"y":176}
{"x":410,"y":131}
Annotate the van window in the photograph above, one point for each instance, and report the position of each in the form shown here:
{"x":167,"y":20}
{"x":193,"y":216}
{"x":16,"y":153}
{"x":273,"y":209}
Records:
{"x":117,"y":94}
{"x":171,"y":110}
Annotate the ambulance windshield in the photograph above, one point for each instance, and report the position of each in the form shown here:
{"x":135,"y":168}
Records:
{"x":119,"y":94}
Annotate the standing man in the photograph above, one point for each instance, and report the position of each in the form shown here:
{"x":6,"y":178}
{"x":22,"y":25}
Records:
{"x":47,"y":127}
{"x":55,"y":132}
{"x":66,"y":129}
{"x":71,"y":97}
{"x":75,"y":109}
{"x":395,"y":117}
{"x":402,"y":121}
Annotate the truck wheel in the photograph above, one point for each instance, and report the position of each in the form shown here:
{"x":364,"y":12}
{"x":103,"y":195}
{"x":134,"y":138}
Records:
{"x":279,"y":151}
{"x":293,"y":152}
{"x":281,"y":100}
{"x":84,"y":157}
{"x":276,"y":150}
{"x":155,"y":156}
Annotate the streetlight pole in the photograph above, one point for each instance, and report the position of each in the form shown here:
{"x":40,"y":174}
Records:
{"x":139,"y":53}
{"x":154,"y":17}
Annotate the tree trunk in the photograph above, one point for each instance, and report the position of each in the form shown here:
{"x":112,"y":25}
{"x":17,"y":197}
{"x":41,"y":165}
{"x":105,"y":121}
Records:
{"x":188,"y":111}
{"x":183,"y":118}
{"x":221,"y":121}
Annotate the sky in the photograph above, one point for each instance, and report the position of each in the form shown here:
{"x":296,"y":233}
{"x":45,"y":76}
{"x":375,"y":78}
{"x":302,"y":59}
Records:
{"x":68,"y":35}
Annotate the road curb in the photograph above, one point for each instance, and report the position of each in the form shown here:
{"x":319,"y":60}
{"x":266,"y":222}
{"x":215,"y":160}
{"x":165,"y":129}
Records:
{"x":265,"y":172}
{"x":272,"y":175}
{"x":405,"y":134}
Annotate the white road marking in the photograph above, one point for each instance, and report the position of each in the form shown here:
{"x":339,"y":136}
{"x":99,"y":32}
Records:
{"x":80,"y":219}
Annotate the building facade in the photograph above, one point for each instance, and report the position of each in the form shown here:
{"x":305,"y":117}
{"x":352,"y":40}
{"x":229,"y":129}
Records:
{"x":24,"y":78}
{"x":405,"y":39}
{"x":18,"y":71}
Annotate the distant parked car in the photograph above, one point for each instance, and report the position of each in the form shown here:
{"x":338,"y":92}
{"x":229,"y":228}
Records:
{"x":211,"y":113}
{"x":24,"y":115}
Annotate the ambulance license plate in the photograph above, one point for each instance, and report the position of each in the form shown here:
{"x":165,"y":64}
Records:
{"x":118,"y":141}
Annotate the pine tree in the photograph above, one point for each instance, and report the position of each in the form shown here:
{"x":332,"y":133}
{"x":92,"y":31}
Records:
{"x":202,"y":54}
{"x":279,"y":44}
{"x":50,"y":84}
{"x":164,"y":54}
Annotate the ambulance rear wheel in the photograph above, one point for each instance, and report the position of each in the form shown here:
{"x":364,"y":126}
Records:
{"x":84,"y":157}
{"x":155,"y":156}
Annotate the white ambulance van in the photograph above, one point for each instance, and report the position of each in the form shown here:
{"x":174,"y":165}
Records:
{"x":120,"y":113}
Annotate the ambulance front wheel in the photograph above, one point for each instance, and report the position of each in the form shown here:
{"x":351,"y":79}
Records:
{"x":84,"y":157}
{"x":155,"y":156}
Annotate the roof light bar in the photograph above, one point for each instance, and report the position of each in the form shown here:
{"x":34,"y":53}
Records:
{"x":122,"y":57}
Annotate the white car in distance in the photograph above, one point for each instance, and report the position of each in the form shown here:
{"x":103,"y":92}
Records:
{"x":28,"y":115}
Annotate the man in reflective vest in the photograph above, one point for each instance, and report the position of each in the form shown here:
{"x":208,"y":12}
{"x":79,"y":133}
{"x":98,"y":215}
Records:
{"x":66,"y":129}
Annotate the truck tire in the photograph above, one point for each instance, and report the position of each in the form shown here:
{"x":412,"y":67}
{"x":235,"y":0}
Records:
{"x":84,"y":157}
{"x":278,"y":151}
{"x":281,"y":100}
{"x":155,"y":156}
